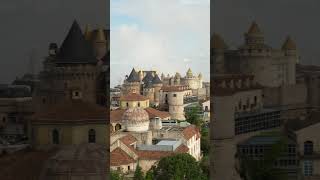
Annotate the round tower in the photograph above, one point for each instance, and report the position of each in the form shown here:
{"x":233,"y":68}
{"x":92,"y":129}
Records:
{"x":100,"y":44}
{"x":218,"y":47}
{"x":148,"y":91}
{"x":177,"y":79}
{"x":157,"y":84}
{"x":175,"y":102}
{"x":289,"y":49}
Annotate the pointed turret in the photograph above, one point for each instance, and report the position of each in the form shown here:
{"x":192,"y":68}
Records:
{"x":254,"y":36}
{"x":148,"y":77}
{"x":133,"y":77}
{"x":189,"y":73}
{"x":75,"y":49}
{"x":289,"y":44}
{"x":200,"y":76}
{"x":100,"y":36}
{"x":87,"y":32}
{"x":177,"y":75}
{"x":156,"y":80}
{"x":217,"y":42}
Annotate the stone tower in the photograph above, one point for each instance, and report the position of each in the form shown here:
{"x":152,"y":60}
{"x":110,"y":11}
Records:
{"x":218,"y":48}
{"x":174,"y":98}
{"x":157,"y":84}
{"x":132,"y":83}
{"x":70,"y":72}
{"x":290,"y":52}
{"x":148,"y":91}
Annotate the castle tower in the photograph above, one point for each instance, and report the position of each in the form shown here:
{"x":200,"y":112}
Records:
{"x":132,"y":83}
{"x":218,"y":47}
{"x":200,"y":80}
{"x":254,"y":36}
{"x":290,"y":52}
{"x":177,"y":79}
{"x":100,"y":44}
{"x":148,"y":91}
{"x":157,"y":84}
{"x":176,"y":108}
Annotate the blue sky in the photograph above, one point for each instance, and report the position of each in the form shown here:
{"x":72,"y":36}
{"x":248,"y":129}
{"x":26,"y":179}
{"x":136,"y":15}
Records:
{"x":164,"y":35}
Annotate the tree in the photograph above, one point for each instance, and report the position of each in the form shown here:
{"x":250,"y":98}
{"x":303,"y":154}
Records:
{"x":251,"y":169}
{"x":138,"y":174}
{"x":192,"y":116}
{"x":150,"y":173}
{"x":205,"y":166}
{"x":205,"y":141}
{"x":115,"y":175}
{"x":178,"y":167}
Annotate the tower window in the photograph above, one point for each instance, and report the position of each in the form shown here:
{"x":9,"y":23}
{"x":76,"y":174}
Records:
{"x":174,"y":95}
{"x":92,"y":136}
{"x":55,"y":137}
{"x":138,"y":104}
{"x":127,"y":104}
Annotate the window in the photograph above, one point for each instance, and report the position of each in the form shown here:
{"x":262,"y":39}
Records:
{"x":308,"y":148}
{"x":138,"y":104}
{"x":76,"y":93}
{"x":127,"y":104}
{"x":55,"y":137}
{"x":128,"y":168}
{"x":118,"y":127}
{"x":4,"y":119}
{"x":174,"y":95}
{"x":92,"y":136}
{"x":307,"y":168}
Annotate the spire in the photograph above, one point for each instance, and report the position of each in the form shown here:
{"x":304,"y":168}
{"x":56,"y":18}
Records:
{"x":254,"y":29}
{"x":289,"y":44}
{"x":200,"y":76}
{"x":148,"y":77}
{"x":189,"y":73}
{"x":75,"y":49}
{"x":217,"y":42}
{"x":87,"y":32}
{"x":133,"y":77}
{"x":100,"y":37}
{"x":156,"y":80}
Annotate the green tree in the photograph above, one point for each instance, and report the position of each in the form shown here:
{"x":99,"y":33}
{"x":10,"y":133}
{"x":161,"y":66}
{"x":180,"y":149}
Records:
{"x":192,"y":116}
{"x":205,"y":166}
{"x":150,"y":173}
{"x":251,"y":169}
{"x":178,"y":167}
{"x":115,"y":175}
{"x":205,"y":141}
{"x":138,"y":174}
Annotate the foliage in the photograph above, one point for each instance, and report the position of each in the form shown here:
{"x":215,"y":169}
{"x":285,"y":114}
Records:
{"x":138,"y":174}
{"x":115,"y":175}
{"x":251,"y":169}
{"x":205,"y":166}
{"x":150,"y":173}
{"x":192,"y":116}
{"x":178,"y":167}
{"x":205,"y":141}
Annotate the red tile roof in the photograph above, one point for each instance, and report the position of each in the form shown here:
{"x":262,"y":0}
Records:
{"x":133,"y":97}
{"x":190,"y":131}
{"x":182,"y":149}
{"x":116,"y":115}
{"x":119,"y":157}
{"x":154,"y":155}
{"x":128,"y":139}
{"x":156,"y":113}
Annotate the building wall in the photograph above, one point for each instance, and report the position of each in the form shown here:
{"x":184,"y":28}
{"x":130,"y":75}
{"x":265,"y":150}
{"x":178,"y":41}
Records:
{"x":133,"y":104}
{"x":75,"y":134}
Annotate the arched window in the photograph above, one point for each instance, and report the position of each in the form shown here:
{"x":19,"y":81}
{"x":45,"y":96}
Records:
{"x":92,"y":136}
{"x":55,"y":137}
{"x":127,"y":104}
{"x":308,"y":147}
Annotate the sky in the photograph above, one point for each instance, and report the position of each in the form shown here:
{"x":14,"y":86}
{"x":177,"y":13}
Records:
{"x":276,"y":18}
{"x":33,"y":24}
{"x":165,"y":35}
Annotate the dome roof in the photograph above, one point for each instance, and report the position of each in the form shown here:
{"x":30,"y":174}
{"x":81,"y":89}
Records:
{"x":136,"y":119}
{"x":135,"y":115}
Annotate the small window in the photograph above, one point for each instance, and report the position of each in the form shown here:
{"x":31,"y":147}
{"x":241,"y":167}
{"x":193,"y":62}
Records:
{"x":4,"y":119}
{"x":174,"y":95}
{"x":92,"y":136}
{"x":138,"y":104}
{"x":43,"y":100}
{"x":77,"y":93}
{"x":128,"y":168}
{"x":307,"y":168}
{"x":127,"y":104}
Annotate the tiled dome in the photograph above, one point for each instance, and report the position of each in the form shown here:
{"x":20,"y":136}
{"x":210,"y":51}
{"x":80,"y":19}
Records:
{"x":136,"y":119}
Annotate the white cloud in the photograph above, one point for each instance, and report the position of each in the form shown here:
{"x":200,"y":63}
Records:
{"x":172,"y":35}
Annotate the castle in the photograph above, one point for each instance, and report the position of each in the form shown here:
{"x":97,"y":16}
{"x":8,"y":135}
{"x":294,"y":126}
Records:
{"x":262,"y":95}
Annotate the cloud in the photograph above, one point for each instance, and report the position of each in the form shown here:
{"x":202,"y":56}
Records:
{"x":168,"y":35}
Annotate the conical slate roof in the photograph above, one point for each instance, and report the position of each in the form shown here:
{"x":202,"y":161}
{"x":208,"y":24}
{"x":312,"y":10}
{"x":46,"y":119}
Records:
{"x":148,"y":77}
{"x":156,"y":80}
{"x":75,"y":49}
{"x":254,"y":28}
{"x":133,"y":77}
